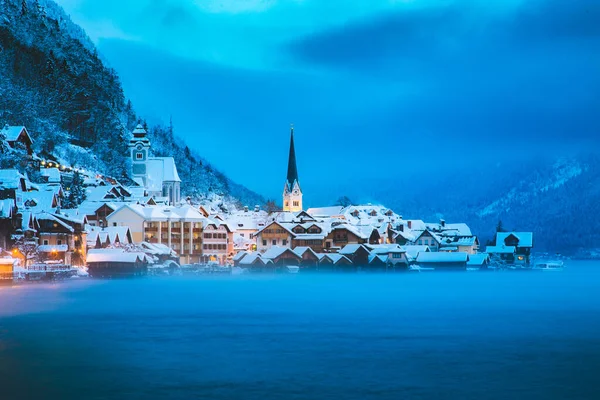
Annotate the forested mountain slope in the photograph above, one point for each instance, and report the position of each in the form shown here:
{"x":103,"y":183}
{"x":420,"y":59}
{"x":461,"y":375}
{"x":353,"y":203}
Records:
{"x":53,"y":82}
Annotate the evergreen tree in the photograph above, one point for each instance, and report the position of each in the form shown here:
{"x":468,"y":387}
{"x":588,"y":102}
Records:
{"x":76,"y":192}
{"x":500,"y":227}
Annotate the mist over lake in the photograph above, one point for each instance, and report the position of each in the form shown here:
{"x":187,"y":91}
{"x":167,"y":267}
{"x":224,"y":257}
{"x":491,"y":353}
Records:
{"x":463,"y":335}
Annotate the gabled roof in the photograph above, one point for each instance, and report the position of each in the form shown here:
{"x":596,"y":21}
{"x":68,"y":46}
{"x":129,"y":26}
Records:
{"x":276,"y":252}
{"x":353,"y":248}
{"x":12,"y":179}
{"x":240,"y":255}
{"x":325,"y":212}
{"x":525,"y":238}
{"x":12,"y":133}
{"x":478,"y":259}
{"x":275,"y":223}
{"x":300,"y":250}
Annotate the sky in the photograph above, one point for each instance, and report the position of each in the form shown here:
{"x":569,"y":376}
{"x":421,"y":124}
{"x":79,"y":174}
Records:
{"x":377,"y":90}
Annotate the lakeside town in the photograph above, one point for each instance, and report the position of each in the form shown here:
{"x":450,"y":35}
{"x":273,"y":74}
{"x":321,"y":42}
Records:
{"x":76,"y":222}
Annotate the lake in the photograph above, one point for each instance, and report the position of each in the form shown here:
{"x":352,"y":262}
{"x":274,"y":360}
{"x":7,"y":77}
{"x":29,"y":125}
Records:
{"x":469,"y":335}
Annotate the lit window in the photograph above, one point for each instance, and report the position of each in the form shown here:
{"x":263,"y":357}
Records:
{"x":139,"y":156}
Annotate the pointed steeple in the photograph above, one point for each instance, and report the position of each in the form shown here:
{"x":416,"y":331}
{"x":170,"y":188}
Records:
{"x":292,"y":172}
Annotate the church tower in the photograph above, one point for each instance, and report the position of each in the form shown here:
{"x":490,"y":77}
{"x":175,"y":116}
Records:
{"x":292,"y":194}
{"x":139,"y":147}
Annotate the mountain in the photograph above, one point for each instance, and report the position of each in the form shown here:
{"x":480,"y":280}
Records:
{"x":53,"y":81}
{"x":557,"y":199}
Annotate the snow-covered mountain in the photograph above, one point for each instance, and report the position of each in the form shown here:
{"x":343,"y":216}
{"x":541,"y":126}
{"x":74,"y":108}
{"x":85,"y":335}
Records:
{"x":557,"y":199}
{"x":53,"y":81}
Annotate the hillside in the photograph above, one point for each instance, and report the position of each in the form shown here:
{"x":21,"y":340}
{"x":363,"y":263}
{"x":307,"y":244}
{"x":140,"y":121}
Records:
{"x":53,"y":81}
{"x":557,"y":199}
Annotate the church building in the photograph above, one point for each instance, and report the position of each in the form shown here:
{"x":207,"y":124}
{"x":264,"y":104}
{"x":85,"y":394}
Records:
{"x":158,"y":175}
{"x":292,"y":193}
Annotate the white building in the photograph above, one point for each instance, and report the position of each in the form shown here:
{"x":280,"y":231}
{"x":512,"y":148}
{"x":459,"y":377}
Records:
{"x":158,"y":175}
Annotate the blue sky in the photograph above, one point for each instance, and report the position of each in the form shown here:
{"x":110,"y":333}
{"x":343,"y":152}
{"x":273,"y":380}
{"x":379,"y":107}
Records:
{"x":378,"y":90}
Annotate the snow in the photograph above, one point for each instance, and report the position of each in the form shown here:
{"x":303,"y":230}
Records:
{"x":114,"y":255}
{"x":275,"y":252}
{"x":61,"y":248}
{"x":442,"y":257}
{"x":10,"y":179}
{"x":13,"y":132}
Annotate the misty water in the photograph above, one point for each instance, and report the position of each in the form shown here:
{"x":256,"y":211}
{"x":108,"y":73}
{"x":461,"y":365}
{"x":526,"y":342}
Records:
{"x":510,"y":335}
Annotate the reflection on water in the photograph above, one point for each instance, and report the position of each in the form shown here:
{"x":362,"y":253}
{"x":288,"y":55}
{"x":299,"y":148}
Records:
{"x":438,"y":335}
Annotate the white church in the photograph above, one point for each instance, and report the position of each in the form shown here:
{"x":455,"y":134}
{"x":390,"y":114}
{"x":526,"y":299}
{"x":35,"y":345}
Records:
{"x":157,"y":175}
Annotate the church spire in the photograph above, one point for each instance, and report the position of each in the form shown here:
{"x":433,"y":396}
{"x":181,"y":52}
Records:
{"x":292,"y":172}
{"x":292,"y":193}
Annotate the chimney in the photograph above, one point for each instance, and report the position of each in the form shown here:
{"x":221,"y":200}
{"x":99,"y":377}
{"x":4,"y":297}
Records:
{"x":409,"y":224}
{"x":443,"y":223}
{"x":256,"y":208}
{"x":245,"y":208}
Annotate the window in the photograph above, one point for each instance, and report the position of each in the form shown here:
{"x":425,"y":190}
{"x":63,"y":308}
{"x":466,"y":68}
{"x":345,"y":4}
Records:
{"x":114,"y":224}
{"x":264,"y":242}
{"x":242,"y":235}
{"x":274,"y":242}
{"x":59,"y":242}
{"x":139,"y":156}
{"x":45,"y":242}
{"x":284,"y":242}
{"x":296,"y":204}
{"x":208,"y":236}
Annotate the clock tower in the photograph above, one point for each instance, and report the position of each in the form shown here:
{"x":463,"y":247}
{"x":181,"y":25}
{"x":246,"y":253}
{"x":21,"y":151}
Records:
{"x":139,"y":147}
{"x":292,"y":193}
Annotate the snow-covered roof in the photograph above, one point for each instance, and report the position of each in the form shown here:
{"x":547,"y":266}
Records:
{"x":164,"y":213}
{"x":8,"y":261}
{"x":12,"y":133}
{"x":500,"y":249}
{"x":240,"y":255}
{"x":275,"y":252}
{"x":525,"y":238}
{"x":413,"y":251}
{"x":335,"y":257}
{"x":442,"y":257}
{"x":11,"y":179}
{"x":325,"y":212}
{"x":114,"y":255}
{"x":253,"y":258}
{"x":51,"y":217}
{"x":7,"y":208}
{"x":478,"y":259}
{"x":53,"y":174}
{"x":157,"y":249}
{"x":160,"y":170}
{"x":352,"y":248}
{"x":300,"y":250}
{"x":386,"y":248}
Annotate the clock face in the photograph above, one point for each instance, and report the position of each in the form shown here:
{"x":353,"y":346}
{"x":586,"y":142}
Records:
{"x":296,"y":192}
{"x":139,"y":147}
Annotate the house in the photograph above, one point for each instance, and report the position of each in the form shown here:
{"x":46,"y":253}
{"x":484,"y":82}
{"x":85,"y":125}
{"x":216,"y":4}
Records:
{"x":180,"y":228}
{"x":104,"y":263}
{"x":158,"y":175}
{"x":8,"y":266}
{"x":392,"y":255}
{"x":310,"y":234}
{"x":238,"y":257}
{"x":217,"y":242}
{"x":62,"y":237}
{"x":310,"y":259}
{"x":443,"y":260}
{"x":479,"y":261}
{"x":502,"y":254}
{"x":51,"y":176}
{"x":281,"y":256}
{"x":412,"y":252}
{"x":274,"y":234}
{"x":17,"y":136}
{"x":334,"y":261}
{"x":521,"y":241}
{"x":255,"y":263}
{"x":464,"y":244}
{"x":430,"y":239}
{"x":342,"y":234}
{"x":357,"y":253}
